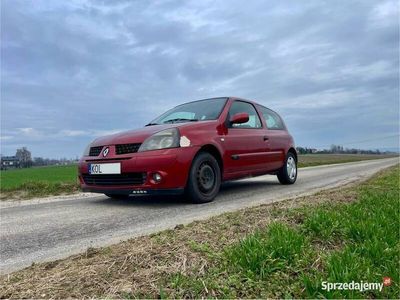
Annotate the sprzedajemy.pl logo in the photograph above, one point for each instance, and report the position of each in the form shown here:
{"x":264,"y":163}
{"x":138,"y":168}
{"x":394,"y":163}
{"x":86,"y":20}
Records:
{"x":359,"y":286}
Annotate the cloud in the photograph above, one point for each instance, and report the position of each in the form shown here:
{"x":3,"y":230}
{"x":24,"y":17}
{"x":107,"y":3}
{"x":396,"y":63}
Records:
{"x":73,"y":70}
{"x":72,"y":133}
{"x":385,"y":13}
{"x":6,"y":137}
{"x":30,"y":132}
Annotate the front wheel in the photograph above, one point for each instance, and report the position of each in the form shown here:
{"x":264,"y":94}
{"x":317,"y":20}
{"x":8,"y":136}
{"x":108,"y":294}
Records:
{"x":288,"y":173}
{"x":204,"y":179}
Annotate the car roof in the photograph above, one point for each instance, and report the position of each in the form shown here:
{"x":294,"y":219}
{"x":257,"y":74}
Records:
{"x":247,"y":100}
{"x":251,"y":101}
{"x":222,"y":97}
{"x":233,"y":98}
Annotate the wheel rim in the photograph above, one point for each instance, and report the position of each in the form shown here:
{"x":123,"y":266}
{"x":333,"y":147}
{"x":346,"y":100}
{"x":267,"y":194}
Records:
{"x":206,"y":178}
{"x":291,"y":168}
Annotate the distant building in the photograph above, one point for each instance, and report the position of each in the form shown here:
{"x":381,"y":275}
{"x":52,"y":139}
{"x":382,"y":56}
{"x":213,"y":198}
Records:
{"x":9,"y":162}
{"x":22,"y":159}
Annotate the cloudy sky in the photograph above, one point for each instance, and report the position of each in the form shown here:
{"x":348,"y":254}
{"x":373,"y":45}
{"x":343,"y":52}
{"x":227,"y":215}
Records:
{"x":74,"y":70}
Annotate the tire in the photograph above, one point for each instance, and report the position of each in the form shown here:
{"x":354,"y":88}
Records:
{"x":204,"y":179}
{"x":288,"y":173}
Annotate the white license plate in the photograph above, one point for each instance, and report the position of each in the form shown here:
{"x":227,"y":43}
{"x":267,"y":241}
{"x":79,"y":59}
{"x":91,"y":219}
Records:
{"x":114,"y":168}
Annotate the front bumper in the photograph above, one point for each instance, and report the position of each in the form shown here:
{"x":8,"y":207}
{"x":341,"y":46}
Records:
{"x":137,"y":191}
{"x":173,"y":165}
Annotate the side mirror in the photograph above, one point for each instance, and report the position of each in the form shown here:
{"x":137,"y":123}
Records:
{"x":239,"y":118}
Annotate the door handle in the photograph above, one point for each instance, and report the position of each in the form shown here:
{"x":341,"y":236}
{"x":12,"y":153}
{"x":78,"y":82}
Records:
{"x":266,"y":138}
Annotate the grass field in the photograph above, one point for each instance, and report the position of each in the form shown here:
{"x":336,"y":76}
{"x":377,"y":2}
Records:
{"x":283,"y":250}
{"x":38,"y":181}
{"x":308,"y":160}
{"x":12,"y":179}
{"x":56,"y":180}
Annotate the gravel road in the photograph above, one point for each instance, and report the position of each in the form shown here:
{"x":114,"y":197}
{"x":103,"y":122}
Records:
{"x":36,"y":231}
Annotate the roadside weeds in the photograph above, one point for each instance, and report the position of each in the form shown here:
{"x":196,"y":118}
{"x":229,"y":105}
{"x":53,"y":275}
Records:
{"x":33,"y":189}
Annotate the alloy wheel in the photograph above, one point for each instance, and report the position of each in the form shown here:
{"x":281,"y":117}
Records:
{"x":291,"y":168}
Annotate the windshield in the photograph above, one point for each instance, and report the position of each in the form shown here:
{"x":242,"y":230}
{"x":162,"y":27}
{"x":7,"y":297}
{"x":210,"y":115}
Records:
{"x":202,"y":110}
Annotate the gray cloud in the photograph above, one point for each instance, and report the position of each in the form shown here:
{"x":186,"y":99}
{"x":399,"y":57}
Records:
{"x":73,"y":70}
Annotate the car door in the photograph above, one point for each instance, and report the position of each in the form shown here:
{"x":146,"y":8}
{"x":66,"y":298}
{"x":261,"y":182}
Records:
{"x":277,"y":138}
{"x":244,"y":144}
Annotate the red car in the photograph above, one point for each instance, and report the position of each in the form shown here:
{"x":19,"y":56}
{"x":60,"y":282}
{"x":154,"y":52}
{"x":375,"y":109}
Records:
{"x":191,"y":149}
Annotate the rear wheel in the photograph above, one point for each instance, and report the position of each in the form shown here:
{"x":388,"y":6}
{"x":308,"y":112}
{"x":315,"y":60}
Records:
{"x":288,"y":173}
{"x":204,"y":178}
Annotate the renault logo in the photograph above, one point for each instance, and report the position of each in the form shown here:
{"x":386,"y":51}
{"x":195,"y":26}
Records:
{"x":105,"y":151}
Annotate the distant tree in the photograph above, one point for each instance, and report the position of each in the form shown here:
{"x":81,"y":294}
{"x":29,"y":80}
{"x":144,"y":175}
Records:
{"x":301,"y":150}
{"x":24,"y":157}
{"x":338,"y":149}
{"x":39,"y":161}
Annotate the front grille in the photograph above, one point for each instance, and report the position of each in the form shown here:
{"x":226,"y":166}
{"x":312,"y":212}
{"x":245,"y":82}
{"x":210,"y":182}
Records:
{"x":95,"y":151}
{"x":126,"y":148}
{"x":115,"y":179}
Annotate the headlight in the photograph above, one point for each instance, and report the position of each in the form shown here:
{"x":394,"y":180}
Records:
{"x":168,"y":138}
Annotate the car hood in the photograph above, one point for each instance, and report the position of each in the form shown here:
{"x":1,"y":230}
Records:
{"x":132,"y":136}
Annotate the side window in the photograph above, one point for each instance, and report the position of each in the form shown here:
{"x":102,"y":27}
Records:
{"x":244,"y":107}
{"x":272,"y":119}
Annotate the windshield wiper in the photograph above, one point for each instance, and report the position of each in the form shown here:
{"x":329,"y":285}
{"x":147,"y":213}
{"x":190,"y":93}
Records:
{"x":151,"y":124}
{"x":179,"y":120}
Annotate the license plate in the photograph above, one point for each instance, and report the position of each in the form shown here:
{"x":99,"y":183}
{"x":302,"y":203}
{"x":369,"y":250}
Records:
{"x":114,"y":168}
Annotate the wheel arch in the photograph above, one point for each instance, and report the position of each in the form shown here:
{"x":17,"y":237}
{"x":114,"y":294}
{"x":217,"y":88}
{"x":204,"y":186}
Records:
{"x":213,"y":150}
{"x":294,"y":152}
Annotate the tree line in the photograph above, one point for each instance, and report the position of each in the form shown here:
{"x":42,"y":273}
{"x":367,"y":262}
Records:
{"x":338,"y":149}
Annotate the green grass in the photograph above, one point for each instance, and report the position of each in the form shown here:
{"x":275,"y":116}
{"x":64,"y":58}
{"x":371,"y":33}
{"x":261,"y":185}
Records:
{"x":39,"y":181}
{"x":265,"y":252}
{"x":369,"y":231}
{"x":341,"y":242}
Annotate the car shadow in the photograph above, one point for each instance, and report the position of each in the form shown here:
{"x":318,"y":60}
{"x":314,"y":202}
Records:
{"x":233,"y":186}
{"x":227,"y":188}
{"x":143,"y":201}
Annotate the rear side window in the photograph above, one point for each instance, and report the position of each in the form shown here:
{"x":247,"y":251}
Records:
{"x":244,"y":107}
{"x":272,"y":119}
